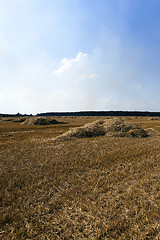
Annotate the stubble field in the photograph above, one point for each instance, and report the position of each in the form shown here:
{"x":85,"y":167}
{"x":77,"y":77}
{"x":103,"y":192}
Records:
{"x":91,"y":188}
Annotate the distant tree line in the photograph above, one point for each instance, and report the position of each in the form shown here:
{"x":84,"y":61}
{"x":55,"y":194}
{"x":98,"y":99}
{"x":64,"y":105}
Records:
{"x":102,"y":113}
{"x":90,"y":113}
{"x":15,"y":115}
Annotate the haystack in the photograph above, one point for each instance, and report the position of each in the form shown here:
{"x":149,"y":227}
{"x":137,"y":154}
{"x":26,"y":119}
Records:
{"x":121,"y":128}
{"x":7,"y":119}
{"x":40,"y":121}
{"x":109,"y":127}
{"x":89,"y":130}
{"x":152,"y":132}
{"x":154,"y":118}
{"x":19,"y":119}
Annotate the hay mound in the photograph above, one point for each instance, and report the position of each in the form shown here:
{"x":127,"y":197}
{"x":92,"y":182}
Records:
{"x":109,"y":127}
{"x":89,"y":130}
{"x":40,"y":121}
{"x":19,"y":120}
{"x":154,"y":118}
{"x":121,"y":128}
{"x":7,"y":119}
{"x":152,"y":132}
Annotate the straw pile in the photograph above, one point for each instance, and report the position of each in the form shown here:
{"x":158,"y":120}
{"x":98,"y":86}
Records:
{"x":154,"y":118}
{"x":89,"y":130}
{"x":7,"y":119}
{"x":109,"y":127}
{"x":40,"y":121}
{"x":152,"y":132}
{"x":21,"y":119}
{"x":121,"y":128}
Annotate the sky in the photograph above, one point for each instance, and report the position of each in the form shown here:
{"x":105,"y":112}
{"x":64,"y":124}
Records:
{"x":79,"y":55}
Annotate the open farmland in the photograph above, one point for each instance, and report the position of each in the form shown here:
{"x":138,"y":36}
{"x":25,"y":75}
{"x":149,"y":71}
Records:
{"x":101,"y":187}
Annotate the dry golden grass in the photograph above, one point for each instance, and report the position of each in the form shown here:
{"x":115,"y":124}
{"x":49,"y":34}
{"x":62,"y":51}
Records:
{"x":93,"y":188}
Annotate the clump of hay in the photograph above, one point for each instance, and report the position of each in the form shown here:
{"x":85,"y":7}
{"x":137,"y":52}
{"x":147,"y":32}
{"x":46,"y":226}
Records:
{"x":152,"y":132}
{"x":121,"y":128}
{"x":109,"y":127}
{"x":19,"y":120}
{"x":7,"y":119}
{"x":40,"y":121}
{"x":89,"y":130}
{"x":154,"y":118}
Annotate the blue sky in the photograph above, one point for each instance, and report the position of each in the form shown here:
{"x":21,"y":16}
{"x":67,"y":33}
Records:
{"x":73,"y":55}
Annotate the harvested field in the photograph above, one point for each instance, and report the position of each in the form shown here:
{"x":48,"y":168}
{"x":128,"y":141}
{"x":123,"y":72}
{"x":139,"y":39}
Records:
{"x":105,"y":187}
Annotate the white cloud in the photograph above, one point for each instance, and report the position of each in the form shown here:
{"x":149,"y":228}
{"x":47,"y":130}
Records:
{"x":77,"y":71}
{"x":70,"y":63}
{"x":89,"y":76}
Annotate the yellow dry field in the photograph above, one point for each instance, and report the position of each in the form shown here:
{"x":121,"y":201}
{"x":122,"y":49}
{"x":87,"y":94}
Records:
{"x":92,"y":188}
